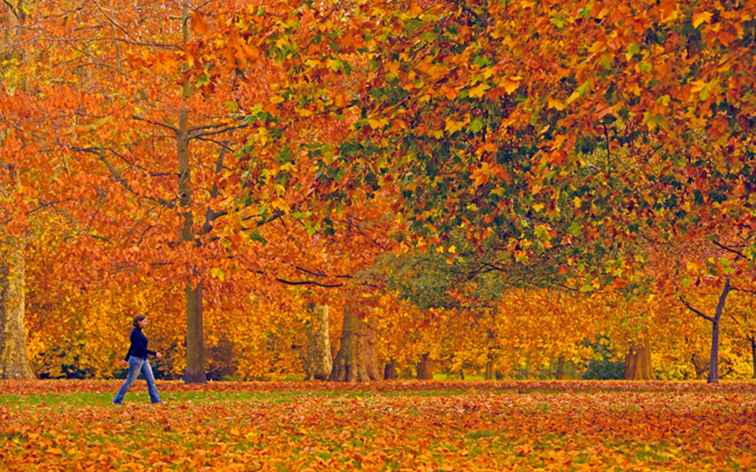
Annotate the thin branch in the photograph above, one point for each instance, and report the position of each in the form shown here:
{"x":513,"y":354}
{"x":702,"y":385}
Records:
{"x":156,"y":123}
{"x":198,"y":134}
{"x":697,"y":312}
{"x":119,"y":178}
{"x":319,"y":273}
{"x":308,"y":282}
{"x":729,"y":249}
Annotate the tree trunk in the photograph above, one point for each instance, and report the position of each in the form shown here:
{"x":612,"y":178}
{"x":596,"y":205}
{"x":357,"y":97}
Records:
{"x":714,"y":354}
{"x":559,"y":374}
{"x":357,"y":359}
{"x":14,"y":358}
{"x":195,"y":336}
{"x":715,"y":322}
{"x":700,"y":365}
{"x":318,"y":362}
{"x":424,"y":368}
{"x":389,"y":371}
{"x":753,"y":354}
{"x":638,"y":363}
{"x":489,"y":373}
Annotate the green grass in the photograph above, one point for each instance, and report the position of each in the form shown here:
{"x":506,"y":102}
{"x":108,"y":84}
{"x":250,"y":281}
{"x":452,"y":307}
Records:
{"x":80,"y":399}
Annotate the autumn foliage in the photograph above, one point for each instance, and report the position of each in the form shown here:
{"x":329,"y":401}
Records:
{"x":496,"y":189}
{"x":384,"y":426}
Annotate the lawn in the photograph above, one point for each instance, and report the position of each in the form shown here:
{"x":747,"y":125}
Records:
{"x":71,"y":425}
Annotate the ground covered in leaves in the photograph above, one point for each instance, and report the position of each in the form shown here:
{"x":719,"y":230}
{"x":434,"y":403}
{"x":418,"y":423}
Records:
{"x":71,"y":425}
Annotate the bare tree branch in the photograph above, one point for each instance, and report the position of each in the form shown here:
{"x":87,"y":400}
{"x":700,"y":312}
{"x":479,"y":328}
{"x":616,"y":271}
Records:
{"x":696,"y":311}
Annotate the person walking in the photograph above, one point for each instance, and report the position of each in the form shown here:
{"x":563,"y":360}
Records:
{"x":138,"y":362}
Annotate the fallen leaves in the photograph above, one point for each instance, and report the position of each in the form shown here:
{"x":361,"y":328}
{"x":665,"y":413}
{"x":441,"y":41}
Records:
{"x":391,"y":426}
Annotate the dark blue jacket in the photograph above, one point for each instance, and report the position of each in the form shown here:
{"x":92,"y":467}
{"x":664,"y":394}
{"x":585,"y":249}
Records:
{"x":138,"y":346}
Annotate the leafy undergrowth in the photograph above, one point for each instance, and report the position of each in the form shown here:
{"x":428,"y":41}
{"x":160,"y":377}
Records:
{"x":70,"y":425}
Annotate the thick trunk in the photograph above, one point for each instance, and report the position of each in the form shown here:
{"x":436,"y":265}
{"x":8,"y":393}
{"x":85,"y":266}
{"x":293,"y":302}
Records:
{"x":357,"y":359}
{"x":318,"y":362}
{"x":638,"y":363}
{"x":389,"y":371}
{"x":424,"y":368}
{"x":14,"y":358}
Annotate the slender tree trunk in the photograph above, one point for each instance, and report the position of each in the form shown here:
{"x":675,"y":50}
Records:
{"x":714,"y":354}
{"x":424,"y":368}
{"x":14,"y":358}
{"x":753,"y":354}
{"x":195,"y":336}
{"x":715,"y":322}
{"x":318,"y":362}
{"x":357,"y":358}
{"x":489,"y":373}
{"x":559,"y":374}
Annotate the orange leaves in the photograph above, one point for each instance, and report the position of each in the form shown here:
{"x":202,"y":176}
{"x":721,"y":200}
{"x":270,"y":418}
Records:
{"x":409,"y":425}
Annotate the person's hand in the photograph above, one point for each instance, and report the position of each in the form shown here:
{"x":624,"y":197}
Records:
{"x":123,"y":363}
{"x":158,"y":355}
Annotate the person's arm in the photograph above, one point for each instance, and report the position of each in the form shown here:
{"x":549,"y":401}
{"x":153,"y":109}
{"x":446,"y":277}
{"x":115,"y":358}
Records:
{"x":151,"y":353}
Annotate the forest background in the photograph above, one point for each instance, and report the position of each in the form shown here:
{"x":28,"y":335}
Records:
{"x":359,"y":190}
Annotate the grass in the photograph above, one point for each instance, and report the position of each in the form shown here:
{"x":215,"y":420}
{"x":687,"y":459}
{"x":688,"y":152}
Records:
{"x":397,"y":426}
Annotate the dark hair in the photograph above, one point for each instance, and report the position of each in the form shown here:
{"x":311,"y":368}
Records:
{"x":137,"y":319}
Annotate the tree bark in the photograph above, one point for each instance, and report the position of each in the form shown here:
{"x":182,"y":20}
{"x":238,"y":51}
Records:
{"x":195,"y":336}
{"x":638,"y":363}
{"x":559,"y":374}
{"x":753,"y":354}
{"x":700,"y":365}
{"x":424,"y":368}
{"x":318,"y":362}
{"x":715,"y":322}
{"x":389,"y":371}
{"x":357,"y":359}
{"x":14,"y":358}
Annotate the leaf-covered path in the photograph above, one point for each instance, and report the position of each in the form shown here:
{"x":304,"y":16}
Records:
{"x":64,"y":425}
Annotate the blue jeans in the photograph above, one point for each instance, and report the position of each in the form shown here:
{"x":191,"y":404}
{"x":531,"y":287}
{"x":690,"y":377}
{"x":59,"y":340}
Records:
{"x":137,"y":365}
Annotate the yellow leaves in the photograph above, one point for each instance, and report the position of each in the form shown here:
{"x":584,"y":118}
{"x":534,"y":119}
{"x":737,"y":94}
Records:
{"x":452,"y":125}
{"x":483,"y":174}
{"x":701,"y":18}
{"x":510,"y":83}
{"x":555,"y":103}
{"x":217,"y":273}
{"x":479,"y":90}
{"x":378,"y":123}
